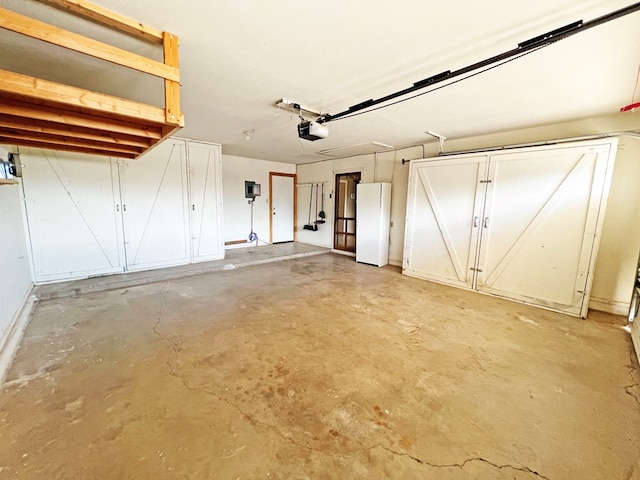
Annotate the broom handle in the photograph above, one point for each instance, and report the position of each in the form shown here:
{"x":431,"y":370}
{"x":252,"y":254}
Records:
{"x":310,"y":198}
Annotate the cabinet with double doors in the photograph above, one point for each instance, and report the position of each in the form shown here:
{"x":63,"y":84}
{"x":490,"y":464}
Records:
{"x":91,"y":215}
{"x":523,"y":224}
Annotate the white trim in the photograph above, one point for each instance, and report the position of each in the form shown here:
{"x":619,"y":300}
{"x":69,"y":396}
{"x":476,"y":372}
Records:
{"x":609,"y":306}
{"x":635,"y":338}
{"x":13,"y":334}
{"x":342,"y":252}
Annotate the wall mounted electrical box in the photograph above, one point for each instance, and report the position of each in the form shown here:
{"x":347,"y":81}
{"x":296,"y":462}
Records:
{"x":251,"y":189}
{"x":11,"y":167}
{"x":15,"y":167}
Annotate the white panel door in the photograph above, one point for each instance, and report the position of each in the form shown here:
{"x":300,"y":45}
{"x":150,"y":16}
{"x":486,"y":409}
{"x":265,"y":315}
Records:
{"x":282,"y":198}
{"x":205,"y":201}
{"x":154,"y":203}
{"x":443,"y":213}
{"x":539,"y":225}
{"x":73,"y":212}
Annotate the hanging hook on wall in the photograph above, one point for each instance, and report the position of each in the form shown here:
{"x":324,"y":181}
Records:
{"x":441,"y":138}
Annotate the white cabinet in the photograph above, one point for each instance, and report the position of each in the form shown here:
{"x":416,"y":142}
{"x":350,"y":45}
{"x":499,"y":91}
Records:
{"x":205,"y":201}
{"x":73,"y":225}
{"x":155,"y":207}
{"x":522,"y":224}
{"x":373,"y":210}
{"x":90,"y":215}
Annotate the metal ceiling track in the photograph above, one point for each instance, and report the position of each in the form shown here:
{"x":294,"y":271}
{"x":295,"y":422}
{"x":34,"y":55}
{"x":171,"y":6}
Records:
{"x":523,"y":47}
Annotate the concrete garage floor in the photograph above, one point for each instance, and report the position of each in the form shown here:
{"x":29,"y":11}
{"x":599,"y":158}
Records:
{"x":317,"y":368}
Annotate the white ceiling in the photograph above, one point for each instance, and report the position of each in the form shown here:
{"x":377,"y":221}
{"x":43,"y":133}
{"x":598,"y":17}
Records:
{"x":238,"y":57}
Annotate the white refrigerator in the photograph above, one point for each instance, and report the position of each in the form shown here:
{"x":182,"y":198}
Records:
{"x":373,"y":216}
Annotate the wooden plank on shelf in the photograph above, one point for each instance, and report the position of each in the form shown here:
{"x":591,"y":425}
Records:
{"x":6,"y":181}
{"x":31,"y":125}
{"x":68,"y":117}
{"x":57,"y":36}
{"x":106,"y":17}
{"x":90,"y":102}
{"x":68,"y":148}
{"x":171,"y":87}
{"x":236,"y":242}
{"x":53,"y":141}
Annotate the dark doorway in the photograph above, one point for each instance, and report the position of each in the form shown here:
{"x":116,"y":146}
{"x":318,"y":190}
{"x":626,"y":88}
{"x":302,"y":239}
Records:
{"x":344,"y":236}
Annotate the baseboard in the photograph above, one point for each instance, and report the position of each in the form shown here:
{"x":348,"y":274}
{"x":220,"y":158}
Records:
{"x":395,"y":263}
{"x":11,"y":339}
{"x":609,"y":306}
{"x":342,"y":252}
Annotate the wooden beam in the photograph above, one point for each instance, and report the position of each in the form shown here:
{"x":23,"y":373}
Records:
{"x":22,"y":134}
{"x":111,"y":19}
{"x":67,"y":148}
{"x":39,"y":126}
{"x":55,"y":141}
{"x":170,"y":130}
{"x":78,"y":43}
{"x":171,"y":87}
{"x":97,"y":103}
{"x":67,"y":117}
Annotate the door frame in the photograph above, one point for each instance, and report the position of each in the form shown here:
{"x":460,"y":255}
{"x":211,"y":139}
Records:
{"x":295,"y":202}
{"x":336,"y":205}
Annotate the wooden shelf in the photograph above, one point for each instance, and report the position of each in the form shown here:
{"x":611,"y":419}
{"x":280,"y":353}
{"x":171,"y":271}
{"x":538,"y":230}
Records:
{"x":4,"y":181}
{"x":40,"y":113}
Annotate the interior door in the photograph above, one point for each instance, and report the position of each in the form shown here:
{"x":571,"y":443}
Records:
{"x":73,"y":210}
{"x":539,"y":225}
{"x":344,"y":226}
{"x":154,"y":204}
{"x":282,"y":200}
{"x":443,"y":217}
{"x":205,"y":201}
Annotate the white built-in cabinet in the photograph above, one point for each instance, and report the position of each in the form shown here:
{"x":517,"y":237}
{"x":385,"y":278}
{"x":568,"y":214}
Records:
{"x":91,"y":215}
{"x":521,"y":223}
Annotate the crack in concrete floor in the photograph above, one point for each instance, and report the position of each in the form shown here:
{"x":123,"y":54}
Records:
{"x":462,"y":465}
{"x":249,"y":418}
{"x":254,"y":421}
{"x":633,"y":372}
{"x":465,"y":389}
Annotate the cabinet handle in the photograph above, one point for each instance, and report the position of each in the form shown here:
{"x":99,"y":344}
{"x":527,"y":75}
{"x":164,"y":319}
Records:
{"x":193,"y":207}
{"x":124,"y":207}
{"x":475,"y":222}
{"x":117,"y":207}
{"x":485,"y":224}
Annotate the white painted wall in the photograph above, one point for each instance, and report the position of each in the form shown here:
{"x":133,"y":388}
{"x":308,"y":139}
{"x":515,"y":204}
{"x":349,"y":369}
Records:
{"x":384,"y":167}
{"x":15,"y":269}
{"x":620,"y":242}
{"x":237,"y":211}
{"x":308,"y":174}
